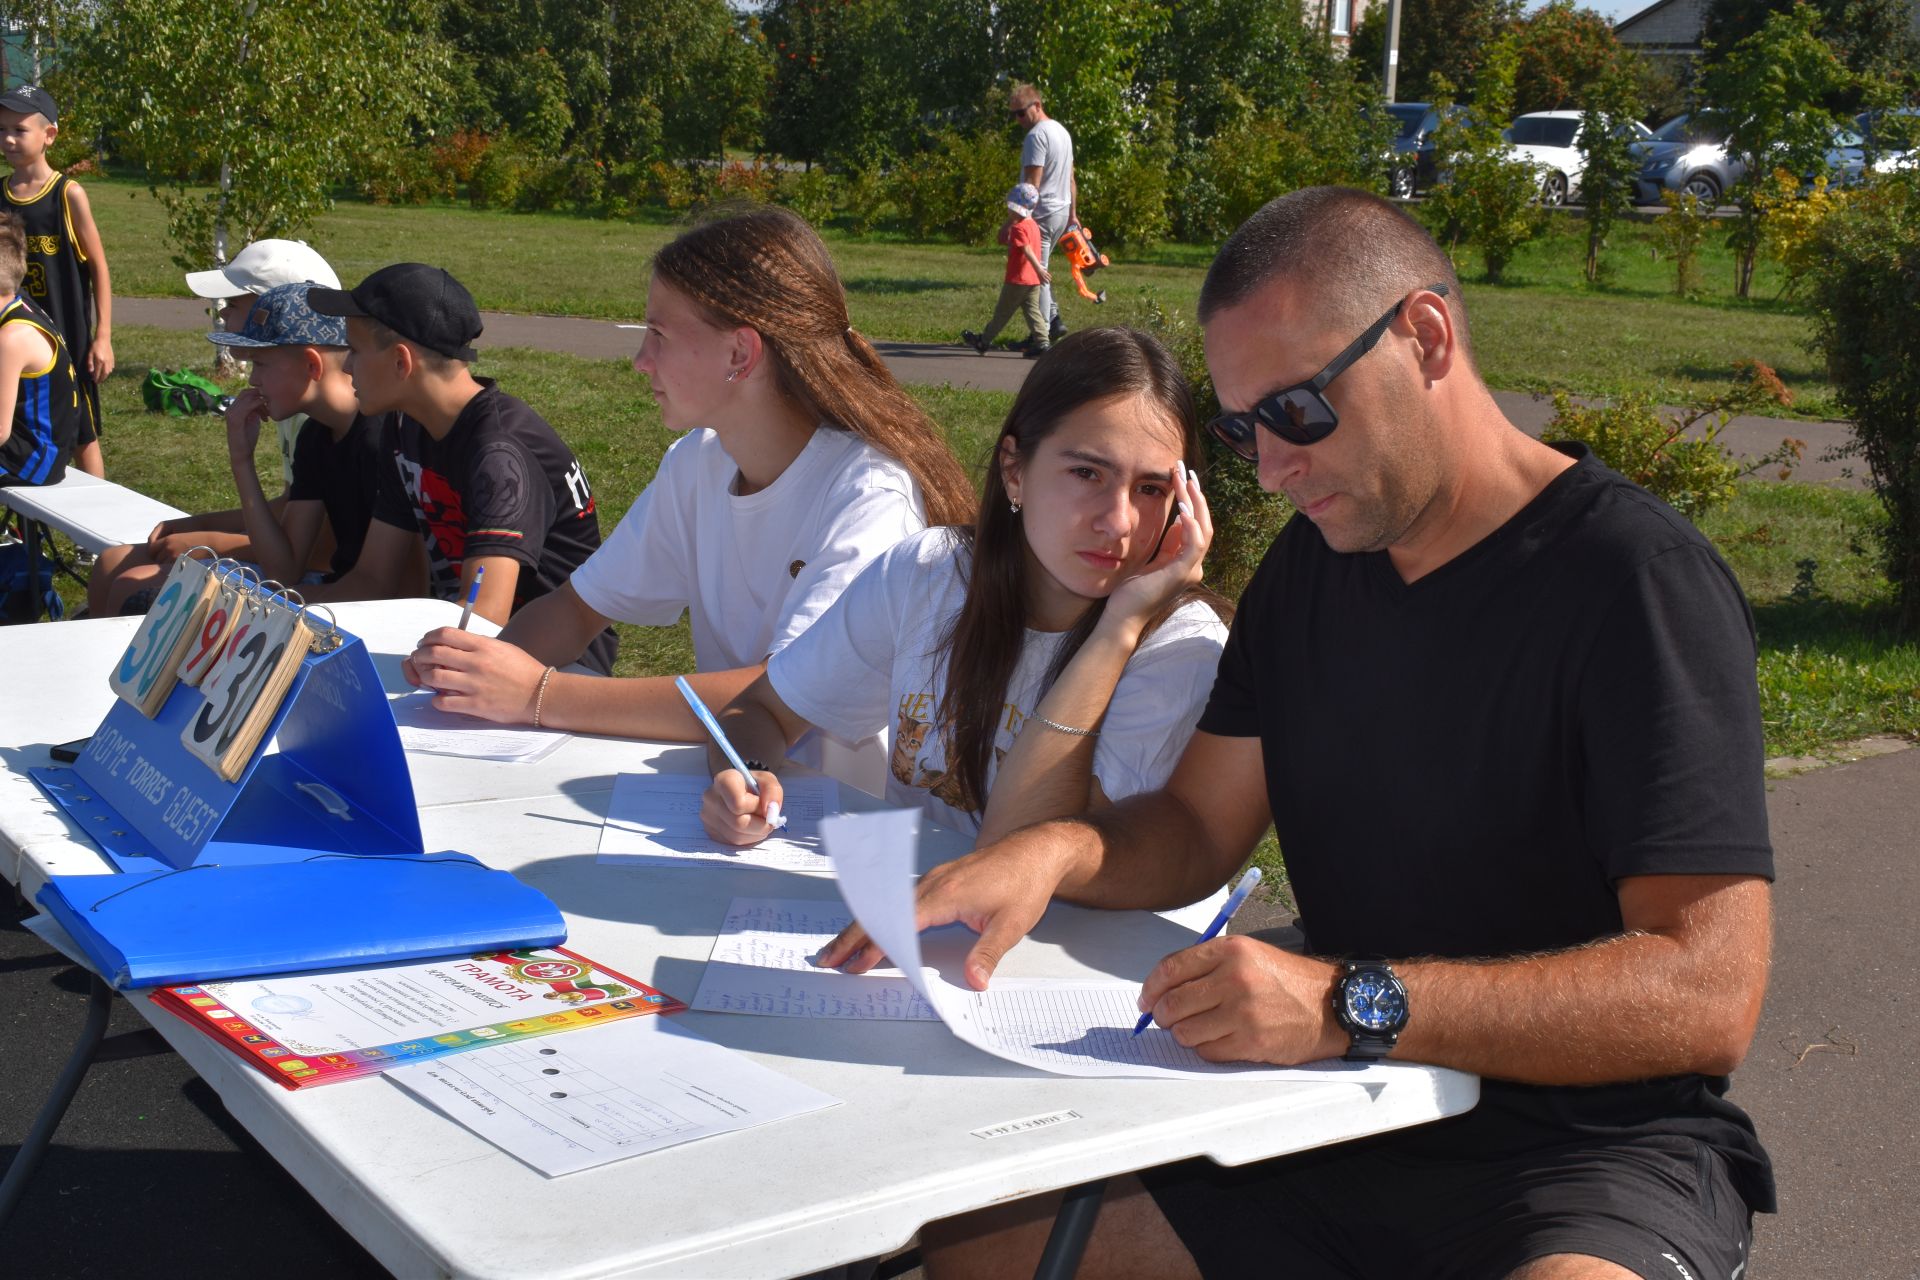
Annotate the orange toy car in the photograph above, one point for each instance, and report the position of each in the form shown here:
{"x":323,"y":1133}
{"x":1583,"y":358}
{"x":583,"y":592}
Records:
{"x":1077,"y":243}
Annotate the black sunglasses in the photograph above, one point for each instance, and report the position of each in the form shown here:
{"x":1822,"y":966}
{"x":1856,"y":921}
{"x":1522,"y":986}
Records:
{"x":1300,"y":414}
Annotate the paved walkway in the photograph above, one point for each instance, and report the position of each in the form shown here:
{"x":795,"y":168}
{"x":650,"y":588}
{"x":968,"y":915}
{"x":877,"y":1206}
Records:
{"x":933,"y":364}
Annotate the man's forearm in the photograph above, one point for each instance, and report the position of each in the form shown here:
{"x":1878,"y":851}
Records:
{"x":1631,"y":1007}
{"x":1143,"y":853}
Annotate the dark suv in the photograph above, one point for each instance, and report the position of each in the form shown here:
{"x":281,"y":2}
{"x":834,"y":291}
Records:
{"x":1410,"y":170}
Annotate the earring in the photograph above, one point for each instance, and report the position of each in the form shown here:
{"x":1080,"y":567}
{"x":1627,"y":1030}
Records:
{"x":1015,"y":506}
{"x":734,"y":376}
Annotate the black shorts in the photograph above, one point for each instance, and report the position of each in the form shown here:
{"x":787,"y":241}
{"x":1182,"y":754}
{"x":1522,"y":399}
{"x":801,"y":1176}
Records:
{"x":90,"y":419}
{"x":1660,"y":1206}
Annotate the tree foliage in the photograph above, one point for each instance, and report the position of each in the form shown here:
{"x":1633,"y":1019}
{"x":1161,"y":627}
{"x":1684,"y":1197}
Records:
{"x":1443,"y":43}
{"x":1865,"y":296}
{"x":1608,"y":161}
{"x":1872,"y":37}
{"x":1485,"y":197}
{"x":241,"y":94}
{"x":1566,"y":54}
{"x":1771,"y":92}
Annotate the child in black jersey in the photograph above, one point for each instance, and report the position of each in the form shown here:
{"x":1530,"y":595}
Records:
{"x":66,"y":265}
{"x":475,"y":478}
{"x":40,"y":407}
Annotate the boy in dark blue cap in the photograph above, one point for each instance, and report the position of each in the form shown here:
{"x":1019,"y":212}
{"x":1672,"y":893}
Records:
{"x":299,"y":366}
{"x":66,"y":265}
{"x":476,"y":477}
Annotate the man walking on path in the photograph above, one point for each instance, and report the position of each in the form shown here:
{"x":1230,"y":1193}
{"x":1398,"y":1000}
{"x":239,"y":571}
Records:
{"x":1046,"y":160}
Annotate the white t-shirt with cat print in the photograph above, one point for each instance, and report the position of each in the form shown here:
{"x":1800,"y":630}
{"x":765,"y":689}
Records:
{"x":872,"y":661}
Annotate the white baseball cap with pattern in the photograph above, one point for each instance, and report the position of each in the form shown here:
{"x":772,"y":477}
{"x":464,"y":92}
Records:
{"x":262,"y":265}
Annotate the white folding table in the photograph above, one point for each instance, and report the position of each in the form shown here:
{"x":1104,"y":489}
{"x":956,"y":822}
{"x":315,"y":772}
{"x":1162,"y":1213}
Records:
{"x":425,"y":1196}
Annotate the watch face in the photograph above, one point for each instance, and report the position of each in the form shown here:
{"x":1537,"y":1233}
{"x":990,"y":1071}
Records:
{"x":1374,"y":1001}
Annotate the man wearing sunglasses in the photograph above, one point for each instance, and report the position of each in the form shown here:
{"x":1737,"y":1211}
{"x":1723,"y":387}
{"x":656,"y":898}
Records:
{"x":1500,"y":706}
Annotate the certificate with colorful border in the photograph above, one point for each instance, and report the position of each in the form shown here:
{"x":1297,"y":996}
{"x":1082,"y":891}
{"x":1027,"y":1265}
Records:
{"x":315,"y":1028}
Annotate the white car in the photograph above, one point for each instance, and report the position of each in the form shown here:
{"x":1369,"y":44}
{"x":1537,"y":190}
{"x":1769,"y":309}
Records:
{"x":1550,"y":142}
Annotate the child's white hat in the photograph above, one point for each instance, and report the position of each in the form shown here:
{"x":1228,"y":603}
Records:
{"x":261,"y":266}
{"x":1022,"y":200}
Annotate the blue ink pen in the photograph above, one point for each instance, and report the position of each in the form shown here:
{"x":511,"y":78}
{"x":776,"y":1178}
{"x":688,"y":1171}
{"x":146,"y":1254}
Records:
{"x":1248,"y":883}
{"x":473,"y":593}
{"x":774,"y":817}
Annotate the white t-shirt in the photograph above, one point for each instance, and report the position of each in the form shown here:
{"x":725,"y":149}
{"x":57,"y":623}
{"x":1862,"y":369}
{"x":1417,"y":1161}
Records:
{"x":1049,"y":145}
{"x":756,"y":571}
{"x":873,"y":661}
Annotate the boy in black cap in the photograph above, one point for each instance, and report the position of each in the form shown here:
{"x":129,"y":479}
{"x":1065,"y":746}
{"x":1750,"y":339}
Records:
{"x":478,"y":477}
{"x":66,"y":265}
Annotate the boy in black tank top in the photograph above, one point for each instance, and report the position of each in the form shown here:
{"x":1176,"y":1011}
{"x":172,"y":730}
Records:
{"x":66,"y":265}
{"x":40,"y":408}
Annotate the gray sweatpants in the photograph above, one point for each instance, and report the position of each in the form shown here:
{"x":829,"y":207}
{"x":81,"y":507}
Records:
{"x":1052,"y":227}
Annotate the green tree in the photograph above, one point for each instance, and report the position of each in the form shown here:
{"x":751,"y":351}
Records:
{"x":1873,"y":37}
{"x":1607,"y":158}
{"x":1085,"y":56}
{"x":241,"y":93}
{"x":1866,"y":304}
{"x":1771,"y":91}
{"x":688,"y":78}
{"x":1487,"y":198}
{"x":1442,"y":43}
{"x":1565,"y":54}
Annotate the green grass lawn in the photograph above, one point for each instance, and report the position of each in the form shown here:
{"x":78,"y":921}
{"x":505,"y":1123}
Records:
{"x":1831,"y":669}
{"x":1543,"y":329}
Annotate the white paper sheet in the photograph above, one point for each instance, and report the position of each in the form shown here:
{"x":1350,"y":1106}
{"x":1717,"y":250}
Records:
{"x":1070,"y":1027}
{"x":653,"y":820}
{"x":425,"y":729}
{"x":596,"y":1096}
{"x":762,"y":962}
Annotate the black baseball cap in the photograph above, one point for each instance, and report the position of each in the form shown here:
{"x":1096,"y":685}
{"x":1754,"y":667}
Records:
{"x":29,"y":98}
{"x":422,"y":304}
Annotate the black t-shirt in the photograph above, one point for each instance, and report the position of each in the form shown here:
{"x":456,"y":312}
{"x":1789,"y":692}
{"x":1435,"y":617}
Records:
{"x":343,"y":476}
{"x":501,"y":483}
{"x":47,"y":407}
{"x":1464,"y":765}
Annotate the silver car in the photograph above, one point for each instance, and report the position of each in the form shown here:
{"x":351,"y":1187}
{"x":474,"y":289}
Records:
{"x":1689,"y":153}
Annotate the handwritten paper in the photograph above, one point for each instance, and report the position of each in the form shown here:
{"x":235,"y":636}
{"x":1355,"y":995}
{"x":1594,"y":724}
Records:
{"x":424,"y":728}
{"x":762,"y":962}
{"x":653,"y":820}
{"x":1069,"y":1027}
{"x":621,"y":1089}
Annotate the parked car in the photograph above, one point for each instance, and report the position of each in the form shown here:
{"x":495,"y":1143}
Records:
{"x":1410,"y":170}
{"x":1550,"y":142}
{"x":1689,"y":153}
{"x":1891,"y":136}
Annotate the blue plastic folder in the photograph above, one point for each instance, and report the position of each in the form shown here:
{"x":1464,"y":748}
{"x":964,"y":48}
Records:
{"x":330,"y":911}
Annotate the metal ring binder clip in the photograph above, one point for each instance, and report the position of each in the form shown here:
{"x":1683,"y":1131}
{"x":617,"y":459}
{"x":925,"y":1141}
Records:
{"x":331,"y":640}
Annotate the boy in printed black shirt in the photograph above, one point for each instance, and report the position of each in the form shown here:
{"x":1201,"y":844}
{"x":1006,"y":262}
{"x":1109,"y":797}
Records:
{"x":479,"y":479}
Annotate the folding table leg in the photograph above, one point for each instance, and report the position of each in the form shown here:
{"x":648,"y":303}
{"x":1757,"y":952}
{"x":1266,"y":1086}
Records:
{"x":27,"y":1158}
{"x":1072,"y":1228}
{"x":33,"y":590}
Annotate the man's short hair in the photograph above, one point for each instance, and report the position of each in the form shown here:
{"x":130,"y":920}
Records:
{"x":1354,"y":252}
{"x":13,"y":253}
{"x":1023,"y":96}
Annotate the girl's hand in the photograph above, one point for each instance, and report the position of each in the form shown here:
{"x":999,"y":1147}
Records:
{"x":475,"y":675}
{"x":1178,"y":563}
{"x":735,"y":815}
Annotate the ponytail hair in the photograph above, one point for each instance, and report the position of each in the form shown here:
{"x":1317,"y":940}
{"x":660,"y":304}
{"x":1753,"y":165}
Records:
{"x":982,"y":647}
{"x":765,"y":269}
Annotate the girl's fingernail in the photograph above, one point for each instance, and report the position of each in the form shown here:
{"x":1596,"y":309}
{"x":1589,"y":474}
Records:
{"x":1185,"y":510}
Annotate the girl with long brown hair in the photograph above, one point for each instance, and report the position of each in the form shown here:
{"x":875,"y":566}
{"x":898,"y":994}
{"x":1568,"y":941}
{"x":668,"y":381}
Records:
{"x":802,"y":459}
{"x":1051,"y":658}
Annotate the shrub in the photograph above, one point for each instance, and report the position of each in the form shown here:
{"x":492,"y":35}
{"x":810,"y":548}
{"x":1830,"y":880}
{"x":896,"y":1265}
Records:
{"x":1679,"y":231}
{"x":1865,"y":296}
{"x":1486,"y":198}
{"x":572,"y":183}
{"x":500,"y":175}
{"x":811,"y":193}
{"x":1692,"y":473}
{"x":737,"y":181}
{"x":1128,"y":198}
{"x":403,"y":175}
{"x":1246,"y":518}
{"x":457,"y":155}
{"x":865,"y":193}
{"x":1790,"y":220}
{"x":958,"y":187}
{"x":669,"y":185}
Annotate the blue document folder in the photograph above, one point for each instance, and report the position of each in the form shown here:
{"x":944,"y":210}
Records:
{"x":330,"y":911}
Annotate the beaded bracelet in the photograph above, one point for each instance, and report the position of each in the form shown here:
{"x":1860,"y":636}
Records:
{"x":1057,"y":727}
{"x":540,"y":697}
